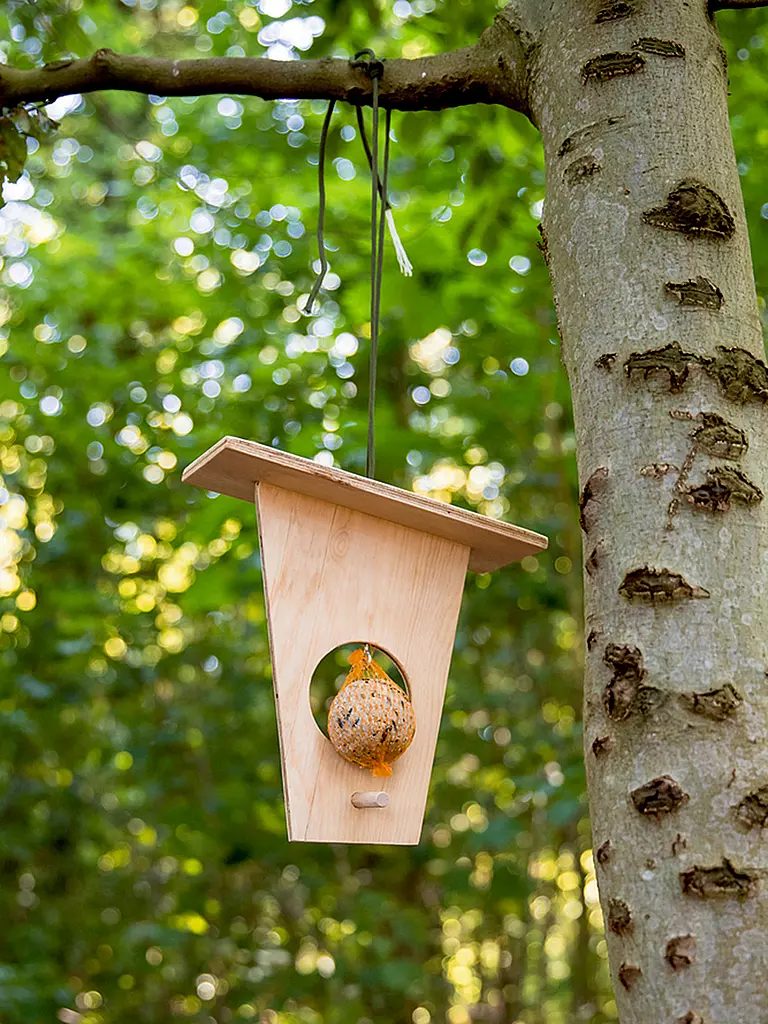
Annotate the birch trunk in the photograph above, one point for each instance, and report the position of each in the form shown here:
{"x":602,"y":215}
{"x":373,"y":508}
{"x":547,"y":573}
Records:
{"x":646,"y":237}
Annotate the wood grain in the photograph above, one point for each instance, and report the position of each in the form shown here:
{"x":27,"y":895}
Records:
{"x":233,"y":466}
{"x":334,"y":576}
{"x":372,"y":800}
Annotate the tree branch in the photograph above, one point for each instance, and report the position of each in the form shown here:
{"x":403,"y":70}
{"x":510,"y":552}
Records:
{"x":737,"y":5}
{"x":491,"y":71}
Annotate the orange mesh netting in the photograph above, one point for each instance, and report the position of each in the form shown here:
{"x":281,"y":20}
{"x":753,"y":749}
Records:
{"x":371,"y":720}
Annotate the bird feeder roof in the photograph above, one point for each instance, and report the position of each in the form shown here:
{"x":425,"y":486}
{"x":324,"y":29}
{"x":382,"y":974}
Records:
{"x":233,"y":466}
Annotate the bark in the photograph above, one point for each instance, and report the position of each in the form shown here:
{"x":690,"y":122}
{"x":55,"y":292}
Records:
{"x":645,"y":235}
{"x":654,"y":288}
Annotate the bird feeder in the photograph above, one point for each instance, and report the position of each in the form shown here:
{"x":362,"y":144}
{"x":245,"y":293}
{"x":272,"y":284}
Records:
{"x":348,"y":560}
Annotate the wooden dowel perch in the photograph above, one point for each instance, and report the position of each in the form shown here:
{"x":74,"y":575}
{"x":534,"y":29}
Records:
{"x":370,"y":799}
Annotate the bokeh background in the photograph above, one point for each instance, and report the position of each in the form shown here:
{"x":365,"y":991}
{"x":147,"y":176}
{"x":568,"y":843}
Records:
{"x":155,"y":254}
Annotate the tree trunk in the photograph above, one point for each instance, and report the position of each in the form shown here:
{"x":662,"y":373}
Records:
{"x":645,"y":233}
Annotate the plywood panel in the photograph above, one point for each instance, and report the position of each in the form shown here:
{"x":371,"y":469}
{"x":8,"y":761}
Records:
{"x":233,"y":466}
{"x":333,"y":576}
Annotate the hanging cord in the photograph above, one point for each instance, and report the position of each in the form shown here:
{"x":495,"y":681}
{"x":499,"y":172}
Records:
{"x":406,"y":267}
{"x":366,"y":61}
{"x":377,"y":267}
{"x":376,"y":272}
{"x":310,"y":303}
{"x":382,"y":217}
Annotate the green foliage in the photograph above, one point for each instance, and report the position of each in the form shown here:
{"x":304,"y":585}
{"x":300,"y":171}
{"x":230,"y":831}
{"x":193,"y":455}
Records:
{"x":156,"y":256}
{"x":13,"y":150}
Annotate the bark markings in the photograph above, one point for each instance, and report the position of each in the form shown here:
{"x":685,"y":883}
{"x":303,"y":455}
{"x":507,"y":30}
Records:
{"x":603,"y":854}
{"x":593,"y":562}
{"x":620,"y":917}
{"x":679,"y":844}
{"x":715,"y":437}
{"x":627,"y":694}
{"x":724,"y":485}
{"x":742,"y":377}
{"x":659,"y":585}
{"x":752,"y":811}
{"x":661,"y":47}
{"x":611,"y":65}
{"x":718,"y":438}
{"x":693,"y":209}
{"x":614,"y":11}
{"x":696,"y":293}
{"x":681,"y":952}
{"x":659,"y":797}
{"x":581,"y":170}
{"x":590,"y":498}
{"x":606,"y":361}
{"x":583,"y":135}
{"x":722,"y":881}
{"x":716,"y":705}
{"x":657,"y":469}
{"x":601,"y":745}
{"x":669,"y":359}
{"x":629,"y":975}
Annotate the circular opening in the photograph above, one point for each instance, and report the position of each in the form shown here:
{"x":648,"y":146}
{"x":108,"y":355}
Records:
{"x":328,"y":678}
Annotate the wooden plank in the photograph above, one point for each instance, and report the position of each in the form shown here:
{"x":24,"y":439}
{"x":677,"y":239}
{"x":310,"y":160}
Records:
{"x":233,"y":466}
{"x":334,"y":576}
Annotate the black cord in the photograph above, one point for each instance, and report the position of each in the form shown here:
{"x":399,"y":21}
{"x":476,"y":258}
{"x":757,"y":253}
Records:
{"x":379,"y":278}
{"x":370,"y":456}
{"x":367,"y":148}
{"x":309,"y":305}
{"x":367,"y":62}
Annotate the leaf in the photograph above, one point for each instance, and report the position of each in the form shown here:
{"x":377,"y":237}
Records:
{"x":13,"y":150}
{"x":36,"y":122}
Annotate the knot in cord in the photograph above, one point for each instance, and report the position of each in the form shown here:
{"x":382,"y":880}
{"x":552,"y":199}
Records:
{"x":367,"y":62}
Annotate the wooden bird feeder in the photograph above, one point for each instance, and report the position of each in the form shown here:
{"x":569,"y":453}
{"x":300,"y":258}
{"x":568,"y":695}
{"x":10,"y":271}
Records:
{"x":348,"y":560}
